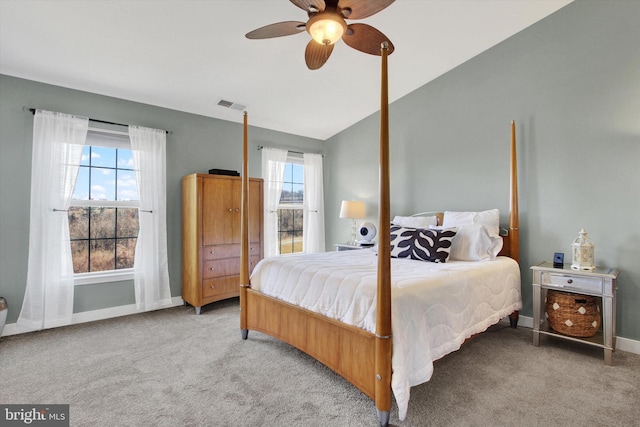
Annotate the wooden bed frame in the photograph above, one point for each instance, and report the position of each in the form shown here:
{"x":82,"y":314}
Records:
{"x":361,"y":357}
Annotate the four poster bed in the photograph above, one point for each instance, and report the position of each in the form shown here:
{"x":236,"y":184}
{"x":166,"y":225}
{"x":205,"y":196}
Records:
{"x":439,"y":304}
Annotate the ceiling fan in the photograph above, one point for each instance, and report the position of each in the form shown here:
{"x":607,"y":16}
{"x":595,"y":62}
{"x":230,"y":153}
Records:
{"x":327,"y":25}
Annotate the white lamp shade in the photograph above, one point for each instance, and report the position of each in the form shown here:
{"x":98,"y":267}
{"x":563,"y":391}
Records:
{"x":352,"y":209}
{"x":326,"y":28}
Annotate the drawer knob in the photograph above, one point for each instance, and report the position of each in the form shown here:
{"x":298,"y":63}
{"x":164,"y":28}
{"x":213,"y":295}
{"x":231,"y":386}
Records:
{"x":212,"y":268}
{"x":213,"y":287}
{"x":211,"y":252}
{"x":570,"y":281}
{"x":230,"y":209}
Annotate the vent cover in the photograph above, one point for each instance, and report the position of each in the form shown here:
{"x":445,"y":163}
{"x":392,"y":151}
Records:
{"x":233,"y":105}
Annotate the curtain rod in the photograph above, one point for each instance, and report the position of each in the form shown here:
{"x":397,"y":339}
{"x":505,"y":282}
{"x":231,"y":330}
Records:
{"x":260,"y":147}
{"x":33,"y":111}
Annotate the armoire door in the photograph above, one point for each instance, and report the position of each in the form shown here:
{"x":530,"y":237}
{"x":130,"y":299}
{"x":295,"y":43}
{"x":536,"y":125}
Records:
{"x":219,"y":203}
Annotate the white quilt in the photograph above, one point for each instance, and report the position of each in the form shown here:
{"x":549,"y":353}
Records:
{"x":435,"y":307}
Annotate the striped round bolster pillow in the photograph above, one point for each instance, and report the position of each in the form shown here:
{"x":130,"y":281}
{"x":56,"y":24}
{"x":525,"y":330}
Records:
{"x":421,"y":244}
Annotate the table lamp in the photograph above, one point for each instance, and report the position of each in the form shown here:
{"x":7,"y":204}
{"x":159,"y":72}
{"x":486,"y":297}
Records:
{"x":352,"y":210}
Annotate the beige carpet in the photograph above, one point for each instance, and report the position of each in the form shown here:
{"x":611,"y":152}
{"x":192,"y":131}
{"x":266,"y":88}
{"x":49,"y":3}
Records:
{"x":173,"y":368}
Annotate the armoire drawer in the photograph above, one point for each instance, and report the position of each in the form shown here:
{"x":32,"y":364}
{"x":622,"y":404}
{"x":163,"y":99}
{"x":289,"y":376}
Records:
{"x":220,"y":286}
{"x":220,"y":252}
{"x":253,"y":261}
{"x":220,"y":268}
{"x":227,"y":251}
{"x":226,"y":267}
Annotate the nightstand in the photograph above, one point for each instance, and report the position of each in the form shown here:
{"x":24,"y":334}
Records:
{"x":600,"y":283}
{"x":348,"y":247}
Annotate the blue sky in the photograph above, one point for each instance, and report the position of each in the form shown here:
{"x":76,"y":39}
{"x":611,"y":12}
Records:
{"x":293,"y":172}
{"x":104,"y":176}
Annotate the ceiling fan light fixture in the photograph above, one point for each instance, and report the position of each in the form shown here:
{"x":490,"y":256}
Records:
{"x":326,"y":28}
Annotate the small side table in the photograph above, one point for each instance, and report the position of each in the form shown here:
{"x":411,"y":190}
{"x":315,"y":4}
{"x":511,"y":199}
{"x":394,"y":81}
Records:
{"x":348,"y":247}
{"x":600,"y":283}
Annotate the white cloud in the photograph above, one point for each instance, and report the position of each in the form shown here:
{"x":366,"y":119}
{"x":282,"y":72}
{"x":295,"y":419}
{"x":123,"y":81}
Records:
{"x":125,"y":163}
{"x":129,"y":194}
{"x":127,"y":181}
{"x":81,"y":196}
{"x":98,"y":192}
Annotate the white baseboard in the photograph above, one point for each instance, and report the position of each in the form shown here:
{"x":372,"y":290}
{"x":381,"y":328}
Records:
{"x":622,"y":344}
{"x":628,"y":345}
{"x":91,"y":316}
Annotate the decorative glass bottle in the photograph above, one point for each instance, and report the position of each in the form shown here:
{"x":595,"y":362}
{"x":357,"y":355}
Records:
{"x":583,"y":253}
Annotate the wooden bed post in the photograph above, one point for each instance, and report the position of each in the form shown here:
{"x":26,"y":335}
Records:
{"x":383,"y":340}
{"x":514,"y":224}
{"x":244,"y":234}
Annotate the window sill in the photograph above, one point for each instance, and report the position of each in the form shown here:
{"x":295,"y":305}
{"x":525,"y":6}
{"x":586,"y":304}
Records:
{"x":103,"y":277}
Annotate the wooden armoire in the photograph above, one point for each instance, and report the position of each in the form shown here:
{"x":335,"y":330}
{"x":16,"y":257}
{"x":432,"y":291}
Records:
{"x":211,"y":206}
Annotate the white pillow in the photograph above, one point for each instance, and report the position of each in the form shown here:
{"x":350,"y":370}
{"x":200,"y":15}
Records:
{"x":473,"y":242}
{"x":478,"y":237}
{"x":490,"y":218}
{"x":415,"y":221}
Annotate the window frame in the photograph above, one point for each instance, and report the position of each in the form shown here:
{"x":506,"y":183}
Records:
{"x":116,"y":140}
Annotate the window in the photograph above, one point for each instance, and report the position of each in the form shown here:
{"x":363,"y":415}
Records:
{"x":103,"y":217}
{"x":291,"y":208}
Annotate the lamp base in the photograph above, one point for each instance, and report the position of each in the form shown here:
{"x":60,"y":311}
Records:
{"x":353,"y":233}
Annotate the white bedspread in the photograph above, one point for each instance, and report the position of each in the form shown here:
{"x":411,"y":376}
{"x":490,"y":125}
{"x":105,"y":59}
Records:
{"x":435,"y":307}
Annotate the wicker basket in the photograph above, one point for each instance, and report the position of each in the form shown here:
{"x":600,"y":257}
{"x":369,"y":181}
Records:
{"x":573,"y":314}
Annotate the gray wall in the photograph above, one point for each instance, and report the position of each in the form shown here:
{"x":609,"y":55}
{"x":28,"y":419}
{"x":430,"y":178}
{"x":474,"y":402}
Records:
{"x":572,"y":83}
{"x":196,"y":144}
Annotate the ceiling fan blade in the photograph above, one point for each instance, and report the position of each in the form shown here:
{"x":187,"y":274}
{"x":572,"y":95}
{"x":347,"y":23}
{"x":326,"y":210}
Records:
{"x":310,"y":5}
{"x":366,"y":39}
{"x":361,"y":9}
{"x":317,"y":54}
{"x":279,"y":29}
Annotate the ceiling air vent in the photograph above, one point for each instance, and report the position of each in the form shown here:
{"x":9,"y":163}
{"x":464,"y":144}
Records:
{"x":229,"y":104}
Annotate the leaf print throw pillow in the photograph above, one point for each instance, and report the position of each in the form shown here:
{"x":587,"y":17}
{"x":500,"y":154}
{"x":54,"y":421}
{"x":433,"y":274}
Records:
{"x":421,"y":244}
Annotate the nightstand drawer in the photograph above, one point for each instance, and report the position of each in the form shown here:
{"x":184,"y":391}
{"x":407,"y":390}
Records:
{"x":570,"y":282}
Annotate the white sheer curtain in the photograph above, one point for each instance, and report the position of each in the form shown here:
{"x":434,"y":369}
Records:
{"x":151,"y":273}
{"x":58,"y":140}
{"x":313,"y":224}
{"x":273,"y":163}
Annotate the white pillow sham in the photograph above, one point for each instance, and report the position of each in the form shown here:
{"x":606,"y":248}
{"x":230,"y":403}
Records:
{"x":478,"y":234}
{"x":490,"y":218}
{"x":415,"y":221}
{"x":473,"y":242}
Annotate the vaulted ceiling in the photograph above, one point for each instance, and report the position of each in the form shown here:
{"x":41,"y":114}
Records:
{"x":189,"y":54}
